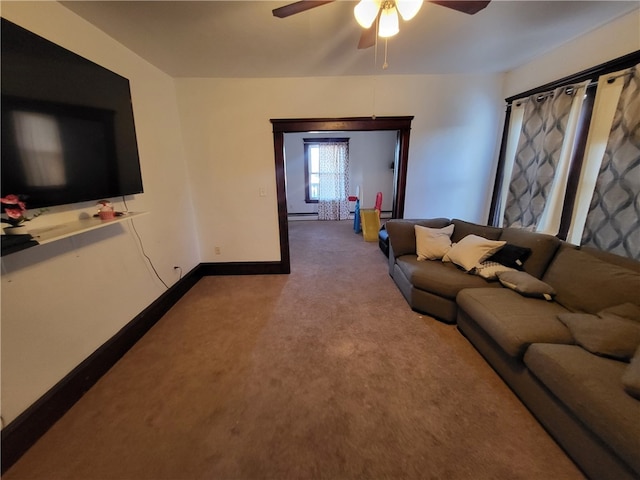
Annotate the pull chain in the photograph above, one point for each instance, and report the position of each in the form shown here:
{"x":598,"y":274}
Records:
{"x":375,"y":64}
{"x":385,"y":65}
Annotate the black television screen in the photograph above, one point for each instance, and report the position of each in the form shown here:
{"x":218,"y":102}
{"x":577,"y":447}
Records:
{"x":68,"y":133}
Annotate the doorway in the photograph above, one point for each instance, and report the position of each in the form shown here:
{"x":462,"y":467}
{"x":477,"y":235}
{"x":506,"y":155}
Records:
{"x":371,"y":164}
{"x":281,"y":126}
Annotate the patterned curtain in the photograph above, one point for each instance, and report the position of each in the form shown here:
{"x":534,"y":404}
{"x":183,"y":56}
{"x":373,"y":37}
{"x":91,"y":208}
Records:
{"x":613,"y":220}
{"x":538,"y":154}
{"x":333,"y":189}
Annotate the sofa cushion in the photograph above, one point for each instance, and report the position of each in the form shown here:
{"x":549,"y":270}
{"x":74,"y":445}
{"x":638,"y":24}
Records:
{"x":432,"y":243}
{"x":590,"y":387}
{"x":443,"y":279}
{"x":462,"y":229}
{"x":543,"y":248}
{"x":527,"y":285}
{"x":402,"y":235}
{"x":609,"y":257}
{"x":513,"y":321}
{"x":469,"y":252}
{"x":588,"y":284}
{"x":607,"y":335}
{"x":631,"y":376}
{"x":625,"y":310}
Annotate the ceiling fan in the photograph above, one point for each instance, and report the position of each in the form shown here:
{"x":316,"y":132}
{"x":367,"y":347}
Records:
{"x":380,"y":16}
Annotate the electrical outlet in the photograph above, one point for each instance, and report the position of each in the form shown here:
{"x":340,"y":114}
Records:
{"x":216,"y":250}
{"x":262,"y":192}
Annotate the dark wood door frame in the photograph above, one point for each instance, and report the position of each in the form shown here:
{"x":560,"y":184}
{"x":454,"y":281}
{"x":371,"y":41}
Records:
{"x":355,"y":124}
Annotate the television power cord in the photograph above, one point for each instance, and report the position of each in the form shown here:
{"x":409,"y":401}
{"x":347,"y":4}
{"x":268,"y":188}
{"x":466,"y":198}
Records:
{"x":133,"y":225}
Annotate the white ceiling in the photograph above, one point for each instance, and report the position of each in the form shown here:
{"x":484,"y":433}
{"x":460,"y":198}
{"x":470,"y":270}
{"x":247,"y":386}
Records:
{"x":243,"y":39}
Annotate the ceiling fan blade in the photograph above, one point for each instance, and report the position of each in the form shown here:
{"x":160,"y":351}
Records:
{"x":465,"y":6}
{"x":368,"y":37}
{"x":298,"y":7}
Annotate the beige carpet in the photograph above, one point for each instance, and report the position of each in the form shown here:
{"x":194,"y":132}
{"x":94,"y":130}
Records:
{"x":324,"y":373}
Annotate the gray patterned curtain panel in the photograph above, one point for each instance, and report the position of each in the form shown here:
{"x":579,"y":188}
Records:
{"x":613,"y":220}
{"x":537,"y":156}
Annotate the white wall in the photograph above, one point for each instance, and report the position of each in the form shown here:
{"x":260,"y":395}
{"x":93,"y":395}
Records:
{"x":63,"y":300}
{"x":229,"y":143}
{"x":370,"y":157}
{"x":617,"y":38}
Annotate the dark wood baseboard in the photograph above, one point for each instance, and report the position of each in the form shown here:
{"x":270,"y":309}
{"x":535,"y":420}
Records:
{"x":30,"y":425}
{"x":244,"y":268}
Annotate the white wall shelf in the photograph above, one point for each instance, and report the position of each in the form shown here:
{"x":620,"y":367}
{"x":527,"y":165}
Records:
{"x":53,"y":233}
{"x":68,"y":229}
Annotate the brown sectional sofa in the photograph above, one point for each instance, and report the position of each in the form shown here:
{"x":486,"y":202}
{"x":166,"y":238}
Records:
{"x":576,"y":392}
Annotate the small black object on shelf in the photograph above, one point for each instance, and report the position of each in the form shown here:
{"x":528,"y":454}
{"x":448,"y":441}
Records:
{"x":15,"y":243}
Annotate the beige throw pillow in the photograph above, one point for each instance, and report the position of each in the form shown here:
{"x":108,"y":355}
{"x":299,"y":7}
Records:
{"x":432,"y":243}
{"x":471,"y":251}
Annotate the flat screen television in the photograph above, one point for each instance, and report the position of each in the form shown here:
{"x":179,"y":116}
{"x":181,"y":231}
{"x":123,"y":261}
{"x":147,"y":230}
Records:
{"x":68,"y":132}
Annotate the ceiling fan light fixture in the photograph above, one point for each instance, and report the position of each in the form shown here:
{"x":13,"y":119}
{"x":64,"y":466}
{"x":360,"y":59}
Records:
{"x":388,"y":22}
{"x":366,"y":12}
{"x":408,"y":8}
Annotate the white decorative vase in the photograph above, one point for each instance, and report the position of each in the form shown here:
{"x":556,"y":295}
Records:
{"x":17,"y":230}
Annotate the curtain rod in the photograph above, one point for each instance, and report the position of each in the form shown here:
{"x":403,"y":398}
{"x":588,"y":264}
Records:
{"x":569,"y":90}
{"x":613,"y":66}
{"x":591,"y":84}
{"x":612,"y":78}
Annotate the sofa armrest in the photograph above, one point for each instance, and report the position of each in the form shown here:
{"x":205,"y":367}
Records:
{"x":391,"y":260}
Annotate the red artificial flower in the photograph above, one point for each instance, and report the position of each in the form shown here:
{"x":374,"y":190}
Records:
{"x":13,"y":212}
{"x":16,"y":210}
{"x":13,"y":200}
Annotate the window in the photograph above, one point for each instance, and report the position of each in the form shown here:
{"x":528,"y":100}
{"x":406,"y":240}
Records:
{"x":312,"y":147}
{"x":590,"y":195}
{"x":312,"y":172}
{"x":546,"y":128}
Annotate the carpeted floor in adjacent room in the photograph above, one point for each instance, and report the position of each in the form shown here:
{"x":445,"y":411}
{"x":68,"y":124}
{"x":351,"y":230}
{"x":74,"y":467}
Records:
{"x":323,"y":373}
